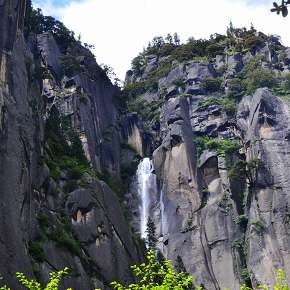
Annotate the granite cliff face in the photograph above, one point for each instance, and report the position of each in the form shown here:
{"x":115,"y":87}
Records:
{"x":55,"y":211}
{"x":219,"y":148}
{"x":212,"y":115}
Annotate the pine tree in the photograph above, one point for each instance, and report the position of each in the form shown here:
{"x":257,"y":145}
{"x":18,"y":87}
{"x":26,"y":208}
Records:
{"x":160,"y":257}
{"x":179,"y":265}
{"x":151,"y":239}
{"x":230,"y":29}
{"x":169,"y":38}
{"x":176,"y":39}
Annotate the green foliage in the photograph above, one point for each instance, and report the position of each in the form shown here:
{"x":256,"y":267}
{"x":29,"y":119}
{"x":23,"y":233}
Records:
{"x":65,"y":240}
{"x":198,"y":48}
{"x":214,"y":49}
{"x":283,"y":88}
{"x":259,"y":226}
{"x":282,"y":8}
{"x":117,"y":185}
{"x":153,"y":274}
{"x":243,"y":169}
{"x":74,"y":167}
{"x":238,"y":244}
{"x":179,"y":265}
{"x":242,"y":220}
{"x":161,"y":46}
{"x":148,"y":111}
{"x":221,"y":146}
{"x":259,"y":78}
{"x":36,"y":23}
{"x":200,"y":59}
{"x":130,"y":91}
{"x":139,"y":64}
{"x":161,"y":71}
{"x":281,"y":282}
{"x":211,"y":85}
{"x":170,"y":47}
{"x":71,"y":65}
{"x":53,"y":284}
{"x":204,"y":104}
{"x":156,"y":275}
{"x":253,"y":64}
{"x":253,"y":42}
{"x":70,"y":186}
{"x":55,"y":279}
{"x":130,"y":169}
{"x":42,"y":219}
{"x":246,"y":276}
{"x":36,"y":251}
{"x":235,"y":88}
{"x":61,"y":234}
{"x":63,"y":150}
{"x":253,"y":76}
{"x":179,"y":82}
{"x":229,"y":105}
{"x":166,"y":49}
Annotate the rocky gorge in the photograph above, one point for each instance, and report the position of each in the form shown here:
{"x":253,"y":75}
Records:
{"x":197,"y":140}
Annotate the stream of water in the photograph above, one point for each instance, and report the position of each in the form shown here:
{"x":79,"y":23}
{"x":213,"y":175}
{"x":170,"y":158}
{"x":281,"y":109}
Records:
{"x":145,"y":179}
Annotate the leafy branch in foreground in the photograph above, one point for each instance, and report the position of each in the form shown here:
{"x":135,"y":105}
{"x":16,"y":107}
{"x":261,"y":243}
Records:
{"x":149,"y":275}
{"x":53,"y":283}
{"x":282,"y":8}
{"x":156,"y":275}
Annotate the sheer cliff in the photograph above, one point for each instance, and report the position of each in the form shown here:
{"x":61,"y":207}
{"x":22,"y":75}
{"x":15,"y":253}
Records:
{"x":60,"y":139}
{"x":213,"y":117}
{"x":217,"y":112}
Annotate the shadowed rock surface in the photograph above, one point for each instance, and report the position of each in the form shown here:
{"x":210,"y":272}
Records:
{"x":38,"y":236}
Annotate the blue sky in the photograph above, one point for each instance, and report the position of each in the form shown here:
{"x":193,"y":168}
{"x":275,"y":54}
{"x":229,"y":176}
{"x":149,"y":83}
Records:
{"x":56,"y":3}
{"x":119,"y":29}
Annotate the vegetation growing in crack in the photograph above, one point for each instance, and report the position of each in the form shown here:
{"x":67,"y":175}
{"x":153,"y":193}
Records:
{"x":210,"y":84}
{"x":259,"y":225}
{"x":242,"y":220}
{"x":227,"y":104}
{"x":246,"y":169}
{"x":64,"y":152}
{"x":221,"y":146}
{"x":60,"y":232}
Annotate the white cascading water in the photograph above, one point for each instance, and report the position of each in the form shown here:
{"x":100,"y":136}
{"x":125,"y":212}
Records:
{"x":162,"y":214}
{"x":146,"y":180}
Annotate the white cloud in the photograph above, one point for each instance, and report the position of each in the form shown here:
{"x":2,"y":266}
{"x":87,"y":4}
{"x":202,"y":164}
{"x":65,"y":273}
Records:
{"x":120,"y":29}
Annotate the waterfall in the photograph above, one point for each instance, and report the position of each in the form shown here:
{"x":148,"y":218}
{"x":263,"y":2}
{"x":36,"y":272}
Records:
{"x":162,"y":216}
{"x":146,"y":182}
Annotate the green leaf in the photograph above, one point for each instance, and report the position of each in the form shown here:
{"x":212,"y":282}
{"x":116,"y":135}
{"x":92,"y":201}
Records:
{"x":284,"y":11}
